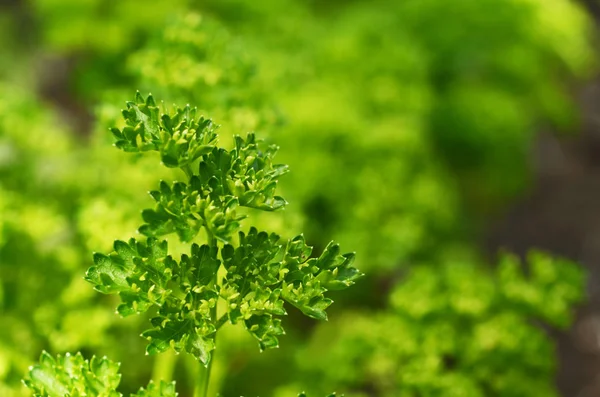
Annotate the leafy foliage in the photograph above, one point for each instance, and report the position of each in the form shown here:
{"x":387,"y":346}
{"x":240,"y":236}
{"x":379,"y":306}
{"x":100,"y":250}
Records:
{"x":470,"y":333}
{"x":181,"y":138}
{"x":364,"y":101}
{"x":75,"y":376}
{"x":198,"y":60}
{"x":258,"y":275}
{"x":225,"y":180}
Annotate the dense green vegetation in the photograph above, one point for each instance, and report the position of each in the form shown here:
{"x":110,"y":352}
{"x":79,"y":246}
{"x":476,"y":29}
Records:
{"x":403,"y":129}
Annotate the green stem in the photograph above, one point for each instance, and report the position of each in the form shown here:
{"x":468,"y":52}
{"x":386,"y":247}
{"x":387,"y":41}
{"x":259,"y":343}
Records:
{"x":164,"y":366}
{"x":212,"y":240}
{"x":188,"y":171}
{"x":221,"y":321}
{"x":203,"y":379}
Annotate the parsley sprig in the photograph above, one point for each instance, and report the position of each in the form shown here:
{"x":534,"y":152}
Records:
{"x":255,"y":273}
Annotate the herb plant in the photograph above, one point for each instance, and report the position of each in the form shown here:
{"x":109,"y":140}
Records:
{"x":231,"y":277}
{"x":429,"y":165}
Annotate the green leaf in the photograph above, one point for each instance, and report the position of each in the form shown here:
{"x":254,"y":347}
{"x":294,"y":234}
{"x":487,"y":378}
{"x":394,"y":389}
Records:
{"x":109,"y":275}
{"x":139,"y":272}
{"x":337,"y":273}
{"x":181,"y":208}
{"x":265,"y":329}
{"x":246,"y":172}
{"x":181,"y":335}
{"x":263,"y":271}
{"x":203,"y":265}
{"x":180,"y":137}
{"x":144,"y":276}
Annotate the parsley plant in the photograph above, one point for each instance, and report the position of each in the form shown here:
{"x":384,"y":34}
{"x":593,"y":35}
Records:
{"x":252,"y":272}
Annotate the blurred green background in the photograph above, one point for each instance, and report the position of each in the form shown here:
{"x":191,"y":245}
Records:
{"x":443,"y":141}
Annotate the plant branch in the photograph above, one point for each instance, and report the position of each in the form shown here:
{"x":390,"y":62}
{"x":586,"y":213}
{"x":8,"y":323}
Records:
{"x":202,"y":383}
{"x":201,"y":389}
{"x":188,"y":171}
{"x":164,"y":367}
{"x":221,"y":321}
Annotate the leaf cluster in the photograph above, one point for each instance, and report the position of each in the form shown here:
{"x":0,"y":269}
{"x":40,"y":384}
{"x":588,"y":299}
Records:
{"x":180,"y":138}
{"x":258,"y":275}
{"x":225,"y":180}
{"x":254,"y":274}
{"x":75,"y":376}
{"x":470,"y":332}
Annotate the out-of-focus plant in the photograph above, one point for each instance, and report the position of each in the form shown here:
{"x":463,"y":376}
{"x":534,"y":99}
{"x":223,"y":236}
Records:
{"x":492,"y":92}
{"x":38,"y":248}
{"x":456,"y":330}
{"x":475,"y":101}
{"x":441,"y":121}
{"x":195,"y":59}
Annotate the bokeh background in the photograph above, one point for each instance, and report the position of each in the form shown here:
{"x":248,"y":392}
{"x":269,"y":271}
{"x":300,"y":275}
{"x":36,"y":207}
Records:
{"x":454,"y":145}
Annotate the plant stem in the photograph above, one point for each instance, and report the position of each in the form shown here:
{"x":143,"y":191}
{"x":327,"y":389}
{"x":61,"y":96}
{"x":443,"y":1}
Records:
{"x":202,"y":381}
{"x":188,"y":171}
{"x":221,"y":321}
{"x":201,"y":389}
{"x":164,"y":367}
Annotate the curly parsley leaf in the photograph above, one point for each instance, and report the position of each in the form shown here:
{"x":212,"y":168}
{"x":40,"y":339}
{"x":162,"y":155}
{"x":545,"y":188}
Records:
{"x":185,"y":208}
{"x":180,"y":137}
{"x":244,"y":176}
{"x":260,"y":273}
{"x":263,"y":272}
